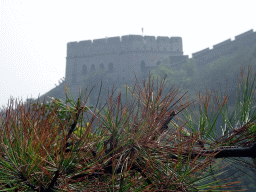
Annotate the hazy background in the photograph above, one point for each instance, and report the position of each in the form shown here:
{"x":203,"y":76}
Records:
{"x":34,"y":34}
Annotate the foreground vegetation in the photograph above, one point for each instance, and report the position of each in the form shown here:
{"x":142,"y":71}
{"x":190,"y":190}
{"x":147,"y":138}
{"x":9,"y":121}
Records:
{"x":47,"y":151}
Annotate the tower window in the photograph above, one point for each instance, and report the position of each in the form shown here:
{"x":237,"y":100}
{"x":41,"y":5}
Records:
{"x":84,"y":70}
{"x":110,"y":68}
{"x":142,"y":66}
{"x":101,"y":67}
{"x":92,"y":68}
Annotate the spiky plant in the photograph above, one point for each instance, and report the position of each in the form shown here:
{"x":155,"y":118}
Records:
{"x":150,"y":153}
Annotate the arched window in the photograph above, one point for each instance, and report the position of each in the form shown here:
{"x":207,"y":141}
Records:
{"x":102,"y":67}
{"x":84,"y":70}
{"x":92,"y":68}
{"x":143,"y":66}
{"x":110,"y":68}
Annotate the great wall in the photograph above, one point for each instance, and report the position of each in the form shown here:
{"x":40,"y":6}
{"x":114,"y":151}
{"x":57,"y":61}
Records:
{"x":201,"y":59}
{"x":119,"y":57}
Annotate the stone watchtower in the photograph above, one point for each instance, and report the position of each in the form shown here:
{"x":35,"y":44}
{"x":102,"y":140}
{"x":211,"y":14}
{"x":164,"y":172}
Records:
{"x":119,"y":58}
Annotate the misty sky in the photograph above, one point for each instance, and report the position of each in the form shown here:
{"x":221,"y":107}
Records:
{"x":34,"y":34}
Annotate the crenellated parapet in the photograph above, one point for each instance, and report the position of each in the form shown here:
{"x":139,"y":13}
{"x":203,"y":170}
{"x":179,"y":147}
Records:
{"x":126,"y":43}
{"x":225,"y":47}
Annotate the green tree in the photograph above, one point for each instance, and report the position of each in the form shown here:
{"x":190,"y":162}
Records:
{"x":151,"y":152}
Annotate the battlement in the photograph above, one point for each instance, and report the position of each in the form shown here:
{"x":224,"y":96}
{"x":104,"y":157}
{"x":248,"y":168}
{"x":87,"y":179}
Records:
{"x":227,"y":46}
{"x":124,"y":43}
